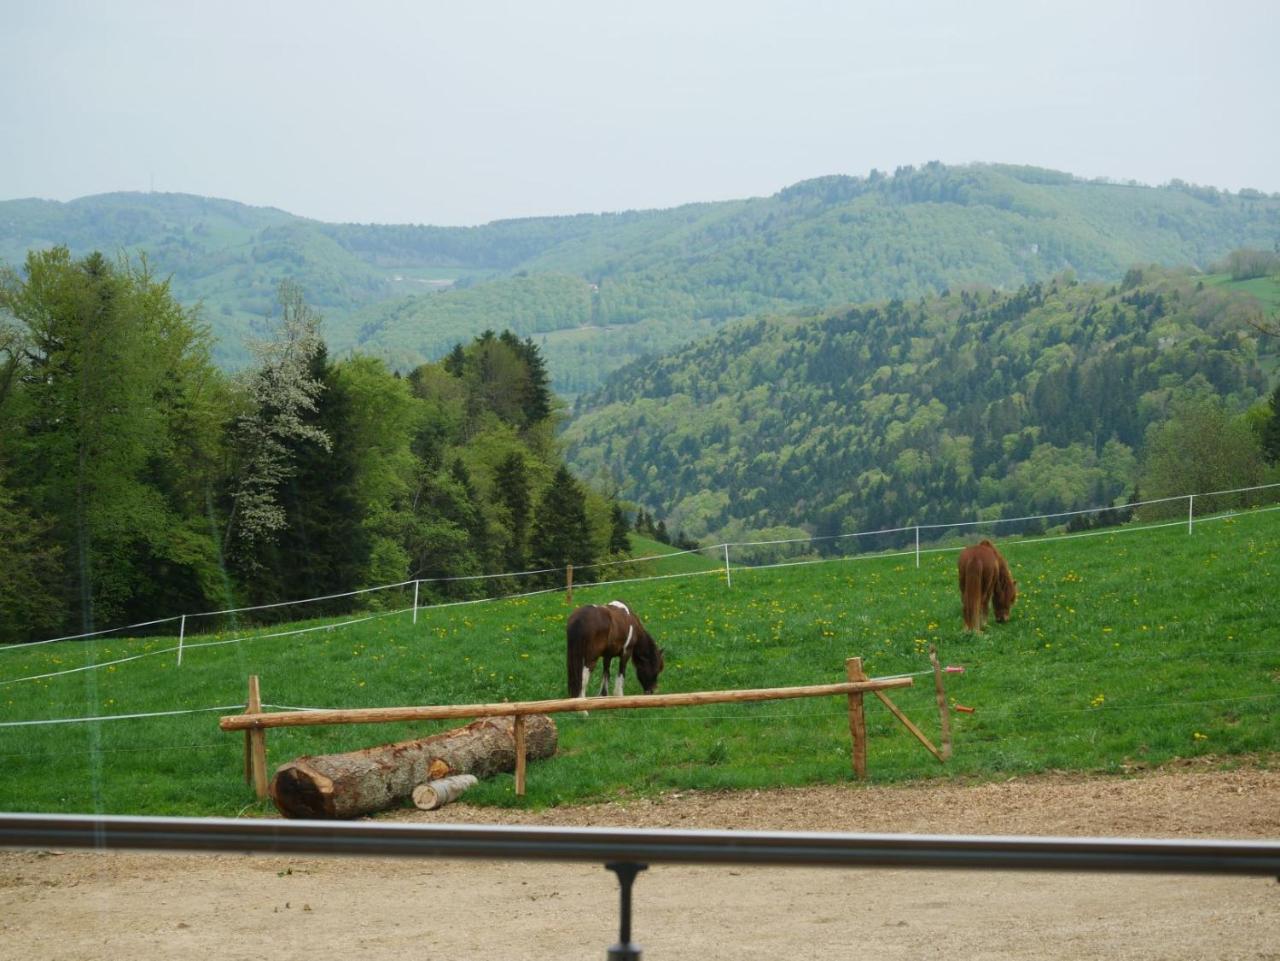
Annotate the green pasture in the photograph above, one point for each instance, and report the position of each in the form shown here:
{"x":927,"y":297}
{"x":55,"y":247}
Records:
{"x":1127,"y":647}
{"x":1265,"y":289}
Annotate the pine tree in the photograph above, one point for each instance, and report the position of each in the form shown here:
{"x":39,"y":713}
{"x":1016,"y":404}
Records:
{"x":511,"y":487}
{"x":456,"y":361}
{"x":619,"y":541}
{"x":561,"y":534}
{"x":323,"y":548}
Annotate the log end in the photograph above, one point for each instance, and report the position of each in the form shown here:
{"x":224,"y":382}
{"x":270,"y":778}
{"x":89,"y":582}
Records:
{"x":300,"y":792}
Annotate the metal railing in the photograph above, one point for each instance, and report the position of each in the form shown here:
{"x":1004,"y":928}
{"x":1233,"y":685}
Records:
{"x":654,"y":845}
{"x":628,"y":851}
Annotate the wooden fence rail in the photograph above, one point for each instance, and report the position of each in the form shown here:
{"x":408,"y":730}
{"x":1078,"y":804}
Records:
{"x":255,"y":721}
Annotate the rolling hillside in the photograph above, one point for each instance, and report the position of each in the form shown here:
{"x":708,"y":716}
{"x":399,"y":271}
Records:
{"x":597,"y":291}
{"x":969,"y":404}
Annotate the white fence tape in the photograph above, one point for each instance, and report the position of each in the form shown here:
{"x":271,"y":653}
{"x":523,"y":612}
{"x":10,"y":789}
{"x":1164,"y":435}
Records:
{"x":718,"y":548}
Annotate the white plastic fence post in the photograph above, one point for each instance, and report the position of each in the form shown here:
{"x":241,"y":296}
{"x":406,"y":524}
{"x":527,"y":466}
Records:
{"x":182,"y":633}
{"x":415,"y":601}
{"x":1191,"y":506}
{"x":727,"y":576}
{"x":917,"y":545}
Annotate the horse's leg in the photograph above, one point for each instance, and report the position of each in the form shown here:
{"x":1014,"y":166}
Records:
{"x":604,"y":676}
{"x":988,"y":589}
{"x":585,"y":691}
{"x":622,"y":670}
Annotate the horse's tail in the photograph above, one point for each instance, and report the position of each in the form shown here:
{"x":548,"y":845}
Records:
{"x":574,"y":653}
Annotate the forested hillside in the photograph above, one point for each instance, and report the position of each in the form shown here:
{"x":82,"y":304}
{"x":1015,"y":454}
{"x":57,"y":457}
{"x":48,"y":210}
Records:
{"x":138,"y":481}
{"x":974,"y":403}
{"x":596,"y":291}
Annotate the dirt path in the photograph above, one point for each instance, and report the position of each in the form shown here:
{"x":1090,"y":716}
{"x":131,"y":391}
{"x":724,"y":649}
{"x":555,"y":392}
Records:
{"x":85,"y":907}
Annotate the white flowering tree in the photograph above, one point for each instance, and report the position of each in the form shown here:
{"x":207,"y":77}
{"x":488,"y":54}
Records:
{"x":279,"y":394}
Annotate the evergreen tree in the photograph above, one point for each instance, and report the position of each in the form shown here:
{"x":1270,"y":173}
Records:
{"x":560,"y":532}
{"x":535,"y":395}
{"x":455,"y":361}
{"x":511,"y":488}
{"x":323,"y":547}
{"x":619,"y":541}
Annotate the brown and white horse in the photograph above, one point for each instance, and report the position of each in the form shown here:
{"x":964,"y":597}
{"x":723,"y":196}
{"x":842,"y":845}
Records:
{"x":985,"y":580}
{"x":610,"y":630}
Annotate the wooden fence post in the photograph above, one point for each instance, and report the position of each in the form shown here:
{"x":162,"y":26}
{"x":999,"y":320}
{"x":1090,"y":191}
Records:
{"x":568,"y":583}
{"x":255,"y":744}
{"x":518,"y":730}
{"x":857,"y":719}
{"x":944,"y":713}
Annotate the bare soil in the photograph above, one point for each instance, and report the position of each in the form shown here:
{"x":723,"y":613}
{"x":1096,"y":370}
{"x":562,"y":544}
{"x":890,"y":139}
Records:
{"x":84,"y":906}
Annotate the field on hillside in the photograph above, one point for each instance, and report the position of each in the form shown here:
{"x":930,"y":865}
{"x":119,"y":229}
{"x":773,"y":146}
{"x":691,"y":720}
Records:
{"x":1126,"y":648}
{"x":1265,"y":289}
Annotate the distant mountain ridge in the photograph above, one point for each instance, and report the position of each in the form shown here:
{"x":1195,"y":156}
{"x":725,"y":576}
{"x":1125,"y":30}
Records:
{"x":598,"y":290}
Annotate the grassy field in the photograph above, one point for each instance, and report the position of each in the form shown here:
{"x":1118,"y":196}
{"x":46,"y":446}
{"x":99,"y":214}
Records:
{"x":1265,"y":289}
{"x":1126,"y":648}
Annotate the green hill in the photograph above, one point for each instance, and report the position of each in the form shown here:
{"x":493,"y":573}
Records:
{"x":934,"y":410}
{"x":1125,"y":649}
{"x":597,"y":291}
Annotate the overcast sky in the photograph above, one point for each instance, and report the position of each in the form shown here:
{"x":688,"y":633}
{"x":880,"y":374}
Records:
{"x":465,"y":112}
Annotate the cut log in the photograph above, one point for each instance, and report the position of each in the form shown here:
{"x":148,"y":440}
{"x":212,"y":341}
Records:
{"x":436,"y":794}
{"x":361,"y":782}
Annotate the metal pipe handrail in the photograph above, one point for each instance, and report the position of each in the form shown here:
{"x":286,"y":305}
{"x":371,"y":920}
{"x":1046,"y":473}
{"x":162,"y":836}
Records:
{"x":809,"y":849}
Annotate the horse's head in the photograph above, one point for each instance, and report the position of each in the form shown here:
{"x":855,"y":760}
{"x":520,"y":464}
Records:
{"x":1005,"y":594}
{"x":649,"y":663}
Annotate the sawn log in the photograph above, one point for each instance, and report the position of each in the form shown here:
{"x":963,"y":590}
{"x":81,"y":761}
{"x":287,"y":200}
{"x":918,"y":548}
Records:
{"x":361,"y":782}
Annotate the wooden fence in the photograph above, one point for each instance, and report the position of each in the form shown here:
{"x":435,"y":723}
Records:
{"x":255,"y":723}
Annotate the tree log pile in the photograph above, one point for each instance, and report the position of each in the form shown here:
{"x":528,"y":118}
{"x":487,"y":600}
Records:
{"x":337,"y":786}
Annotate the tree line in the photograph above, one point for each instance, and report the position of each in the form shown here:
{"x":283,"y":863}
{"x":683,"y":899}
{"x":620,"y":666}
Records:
{"x":138,"y":481}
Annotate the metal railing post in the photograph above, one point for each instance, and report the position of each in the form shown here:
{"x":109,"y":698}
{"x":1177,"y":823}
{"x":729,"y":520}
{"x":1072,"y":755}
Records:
{"x":626,"y":871}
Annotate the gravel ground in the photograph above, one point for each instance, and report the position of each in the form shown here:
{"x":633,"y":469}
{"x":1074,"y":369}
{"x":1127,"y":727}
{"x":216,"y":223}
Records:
{"x":84,"y":906}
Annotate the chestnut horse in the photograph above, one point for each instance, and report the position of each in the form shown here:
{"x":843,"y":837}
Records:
{"x":609,"y":631}
{"x":985,"y":581}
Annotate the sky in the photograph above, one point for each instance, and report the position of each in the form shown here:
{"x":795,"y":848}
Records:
{"x":461,"y":113}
